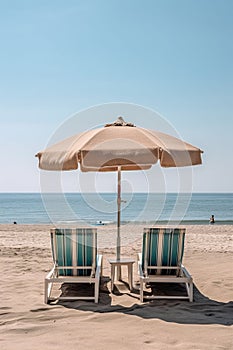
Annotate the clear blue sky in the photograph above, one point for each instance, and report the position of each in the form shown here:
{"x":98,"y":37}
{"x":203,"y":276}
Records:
{"x":59,"y":57}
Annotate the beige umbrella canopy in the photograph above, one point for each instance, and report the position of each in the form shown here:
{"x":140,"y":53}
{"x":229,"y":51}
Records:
{"x":115,"y":147}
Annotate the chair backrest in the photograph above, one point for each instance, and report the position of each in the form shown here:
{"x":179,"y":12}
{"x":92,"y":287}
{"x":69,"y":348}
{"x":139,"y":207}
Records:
{"x":74,"y":247}
{"x":162,"y":247}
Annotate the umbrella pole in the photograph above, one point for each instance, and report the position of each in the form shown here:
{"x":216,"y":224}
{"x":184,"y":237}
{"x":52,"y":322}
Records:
{"x":118,"y":248}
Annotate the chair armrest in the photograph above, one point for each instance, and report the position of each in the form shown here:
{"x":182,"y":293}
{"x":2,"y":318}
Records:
{"x":185,"y":272}
{"x":51,"y":273}
{"x":139,"y":261}
{"x":98,"y":265}
{"x":139,"y":258}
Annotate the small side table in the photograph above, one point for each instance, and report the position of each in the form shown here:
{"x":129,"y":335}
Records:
{"x":117,"y":264}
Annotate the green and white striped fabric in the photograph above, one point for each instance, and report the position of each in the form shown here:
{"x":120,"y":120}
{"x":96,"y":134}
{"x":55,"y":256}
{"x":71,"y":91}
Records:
{"x":74,"y":248}
{"x":162,"y":247}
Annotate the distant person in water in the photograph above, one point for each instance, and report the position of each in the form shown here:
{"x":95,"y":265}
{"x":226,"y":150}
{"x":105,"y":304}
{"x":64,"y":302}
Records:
{"x":15,"y":223}
{"x":212,"y":221}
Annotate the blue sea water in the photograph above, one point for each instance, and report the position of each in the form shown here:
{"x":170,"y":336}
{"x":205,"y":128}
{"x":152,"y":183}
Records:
{"x":34,"y":208}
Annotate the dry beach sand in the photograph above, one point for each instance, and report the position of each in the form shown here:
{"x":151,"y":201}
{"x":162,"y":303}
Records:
{"x":119,"y":321}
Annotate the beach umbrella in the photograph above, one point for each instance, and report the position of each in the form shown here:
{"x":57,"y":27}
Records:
{"x":117,"y":147}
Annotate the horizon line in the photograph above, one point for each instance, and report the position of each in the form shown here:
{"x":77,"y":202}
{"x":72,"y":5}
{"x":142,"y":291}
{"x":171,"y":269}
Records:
{"x":108,"y":192}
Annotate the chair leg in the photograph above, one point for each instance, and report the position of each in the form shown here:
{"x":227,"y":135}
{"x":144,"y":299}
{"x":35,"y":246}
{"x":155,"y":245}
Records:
{"x":141,"y":290}
{"x":46,"y":292}
{"x":189,"y":288}
{"x":130,"y":276}
{"x":191,"y":292}
{"x":96,"y":291}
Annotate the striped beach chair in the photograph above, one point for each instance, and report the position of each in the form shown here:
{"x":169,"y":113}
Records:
{"x":74,"y":252}
{"x":161,"y":261}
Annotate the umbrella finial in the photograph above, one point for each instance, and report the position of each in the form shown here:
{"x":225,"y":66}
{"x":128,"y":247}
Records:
{"x":120,"y":122}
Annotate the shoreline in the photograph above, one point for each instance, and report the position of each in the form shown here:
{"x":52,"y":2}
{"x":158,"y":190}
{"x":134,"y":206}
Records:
{"x":123,"y":223}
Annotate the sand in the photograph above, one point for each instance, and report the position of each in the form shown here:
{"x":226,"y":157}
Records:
{"x":119,"y":321}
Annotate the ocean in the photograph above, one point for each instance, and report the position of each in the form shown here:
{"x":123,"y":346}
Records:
{"x":196,"y":208}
